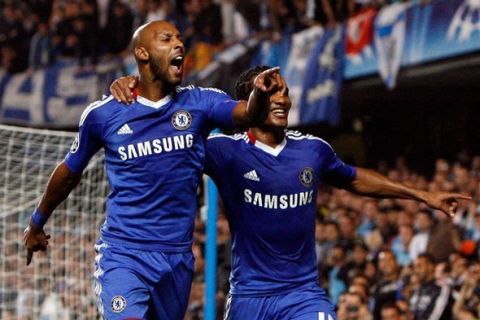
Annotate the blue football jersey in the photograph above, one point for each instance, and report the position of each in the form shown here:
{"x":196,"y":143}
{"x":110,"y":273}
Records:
{"x":269,"y":196}
{"x":154,"y":156}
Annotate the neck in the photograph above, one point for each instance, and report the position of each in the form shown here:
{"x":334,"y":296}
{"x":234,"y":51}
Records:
{"x":271,"y":137}
{"x":152,"y":89}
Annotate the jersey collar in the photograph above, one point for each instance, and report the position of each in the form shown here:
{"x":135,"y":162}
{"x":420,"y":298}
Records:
{"x":265,"y":147}
{"x":156,"y":105}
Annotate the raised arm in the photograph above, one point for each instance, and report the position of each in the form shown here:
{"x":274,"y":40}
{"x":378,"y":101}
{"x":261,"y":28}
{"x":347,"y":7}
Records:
{"x":374,"y":184}
{"x":255,"y":110}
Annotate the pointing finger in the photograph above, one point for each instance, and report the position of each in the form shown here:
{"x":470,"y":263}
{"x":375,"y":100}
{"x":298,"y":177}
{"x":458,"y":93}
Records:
{"x":29,"y":256}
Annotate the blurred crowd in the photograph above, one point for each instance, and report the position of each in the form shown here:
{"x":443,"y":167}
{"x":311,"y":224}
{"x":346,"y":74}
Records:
{"x":36,"y":33}
{"x":386,"y":259}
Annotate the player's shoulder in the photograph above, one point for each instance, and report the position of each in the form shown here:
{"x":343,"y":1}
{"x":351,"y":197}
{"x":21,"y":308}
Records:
{"x":226,"y":138}
{"x":307,"y":139}
{"x":194,"y":90}
{"x":96,"y":109}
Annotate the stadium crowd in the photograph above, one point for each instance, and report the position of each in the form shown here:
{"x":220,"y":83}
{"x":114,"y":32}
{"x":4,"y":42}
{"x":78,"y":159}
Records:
{"x":387,"y":259}
{"x":36,"y":33}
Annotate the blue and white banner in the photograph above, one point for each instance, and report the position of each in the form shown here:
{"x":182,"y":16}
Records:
{"x":301,"y":49}
{"x":52,"y":97}
{"x":319,"y":100}
{"x":434,"y":31}
{"x":389,"y":37}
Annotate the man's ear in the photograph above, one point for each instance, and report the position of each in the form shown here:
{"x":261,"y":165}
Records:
{"x":141,"y":54}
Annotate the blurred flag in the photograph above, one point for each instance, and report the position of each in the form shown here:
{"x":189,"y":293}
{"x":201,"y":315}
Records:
{"x":302,"y":45}
{"x":359,"y":34}
{"x":323,"y":77}
{"x":389,"y":38}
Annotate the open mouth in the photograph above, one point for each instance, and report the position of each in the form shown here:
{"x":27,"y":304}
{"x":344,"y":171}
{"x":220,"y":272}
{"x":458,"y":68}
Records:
{"x":177,"y":63}
{"x":280,"y":112}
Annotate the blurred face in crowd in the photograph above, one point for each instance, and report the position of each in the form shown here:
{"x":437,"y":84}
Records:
{"x":370,"y":209}
{"x":423,"y":222}
{"x":331,"y":232}
{"x":424,"y":270}
{"x":405,"y":233}
{"x":390,"y":313}
{"x":159,"y":45}
{"x":387,"y":264}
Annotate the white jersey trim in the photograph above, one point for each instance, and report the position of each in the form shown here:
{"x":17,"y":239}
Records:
{"x":237,"y":136}
{"x":296,"y":135}
{"x":156,"y":105}
{"x":92,"y":106}
{"x":273,"y":151}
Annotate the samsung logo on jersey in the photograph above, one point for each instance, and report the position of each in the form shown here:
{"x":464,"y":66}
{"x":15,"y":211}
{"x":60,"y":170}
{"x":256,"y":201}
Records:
{"x":284,"y":201}
{"x":155,"y":146}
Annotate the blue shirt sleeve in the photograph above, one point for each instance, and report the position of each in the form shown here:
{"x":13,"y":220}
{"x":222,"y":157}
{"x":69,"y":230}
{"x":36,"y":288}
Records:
{"x":336,"y":172}
{"x":213,"y":157}
{"x":221,"y":105}
{"x":87,"y":142}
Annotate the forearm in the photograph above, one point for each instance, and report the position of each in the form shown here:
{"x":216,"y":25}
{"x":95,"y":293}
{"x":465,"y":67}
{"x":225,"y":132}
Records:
{"x":61,"y":183}
{"x":373,"y":184}
{"x":253,"y":111}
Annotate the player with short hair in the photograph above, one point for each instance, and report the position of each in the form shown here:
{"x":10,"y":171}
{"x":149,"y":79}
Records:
{"x":268,"y":178}
{"x":154,"y":155}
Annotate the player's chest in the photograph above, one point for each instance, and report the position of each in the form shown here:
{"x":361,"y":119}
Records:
{"x":285,"y":172}
{"x":147,"y":124}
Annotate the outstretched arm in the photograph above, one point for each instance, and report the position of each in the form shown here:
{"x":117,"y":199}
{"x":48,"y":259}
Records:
{"x":373,"y":184}
{"x":59,"y":186}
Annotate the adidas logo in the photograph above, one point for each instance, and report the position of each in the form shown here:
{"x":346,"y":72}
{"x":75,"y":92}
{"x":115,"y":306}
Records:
{"x":251,"y":175}
{"x":125,"y":129}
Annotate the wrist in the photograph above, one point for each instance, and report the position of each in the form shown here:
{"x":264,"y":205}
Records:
{"x":38,"y":219}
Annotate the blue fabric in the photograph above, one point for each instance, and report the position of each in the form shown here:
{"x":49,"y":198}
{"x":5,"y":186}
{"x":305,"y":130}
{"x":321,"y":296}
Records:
{"x":140,"y":284}
{"x":305,"y":303}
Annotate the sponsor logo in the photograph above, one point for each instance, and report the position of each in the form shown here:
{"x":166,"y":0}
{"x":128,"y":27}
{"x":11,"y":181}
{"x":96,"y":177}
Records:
{"x":273,"y":201}
{"x":125,"y":129}
{"x":118,"y":304}
{"x":181,"y":120}
{"x":306,"y":176}
{"x":251,"y":175}
{"x":75,"y":144}
{"x":156,"y":146}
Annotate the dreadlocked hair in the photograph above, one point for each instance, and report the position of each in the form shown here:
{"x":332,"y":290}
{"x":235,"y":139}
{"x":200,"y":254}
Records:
{"x":244,"y":84}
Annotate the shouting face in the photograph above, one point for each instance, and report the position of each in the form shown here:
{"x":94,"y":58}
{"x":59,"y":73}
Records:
{"x":159,"y":45}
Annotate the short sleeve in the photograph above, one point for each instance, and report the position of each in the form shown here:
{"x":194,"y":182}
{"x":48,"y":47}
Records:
{"x":213,"y":157}
{"x":335,"y":171}
{"x":221,"y":105}
{"x":87,"y":142}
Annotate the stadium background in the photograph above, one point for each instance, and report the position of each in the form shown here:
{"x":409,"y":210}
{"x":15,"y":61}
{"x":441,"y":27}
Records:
{"x":402,"y":99}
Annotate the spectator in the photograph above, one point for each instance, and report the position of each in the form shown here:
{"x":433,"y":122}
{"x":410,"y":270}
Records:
{"x":352,"y":307}
{"x":41,"y":51}
{"x":401,"y":243}
{"x":429,"y":300}
{"x":424,"y":225}
{"x":390,"y":311}
{"x":467,"y":305}
{"x":388,"y":285}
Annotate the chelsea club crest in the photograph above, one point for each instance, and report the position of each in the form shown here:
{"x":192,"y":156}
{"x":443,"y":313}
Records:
{"x":181,"y":120}
{"x":306,"y":176}
{"x":75,"y":144}
{"x":118,"y":304}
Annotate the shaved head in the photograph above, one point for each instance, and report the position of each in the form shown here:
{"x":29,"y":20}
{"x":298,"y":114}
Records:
{"x":146,"y":32}
{"x":159,"y":51}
